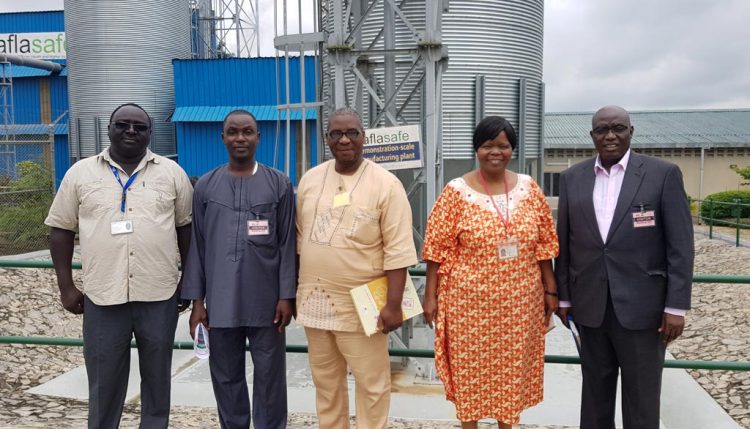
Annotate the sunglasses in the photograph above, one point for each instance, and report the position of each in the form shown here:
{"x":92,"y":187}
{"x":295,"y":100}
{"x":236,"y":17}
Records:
{"x":124,"y":126}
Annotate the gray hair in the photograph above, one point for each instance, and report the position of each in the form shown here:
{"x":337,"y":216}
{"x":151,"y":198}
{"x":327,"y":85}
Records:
{"x":345,"y":111}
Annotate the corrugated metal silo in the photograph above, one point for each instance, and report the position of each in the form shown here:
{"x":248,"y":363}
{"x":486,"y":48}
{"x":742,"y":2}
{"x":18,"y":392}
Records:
{"x":496,"y":42}
{"x":121,"y":51}
{"x":503,"y":41}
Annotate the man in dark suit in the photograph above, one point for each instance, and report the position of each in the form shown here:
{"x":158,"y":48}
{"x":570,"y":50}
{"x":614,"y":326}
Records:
{"x":624,"y":271}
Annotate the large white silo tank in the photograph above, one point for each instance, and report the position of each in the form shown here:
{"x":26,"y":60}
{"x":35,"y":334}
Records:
{"x":501,"y":40}
{"x":121,"y":51}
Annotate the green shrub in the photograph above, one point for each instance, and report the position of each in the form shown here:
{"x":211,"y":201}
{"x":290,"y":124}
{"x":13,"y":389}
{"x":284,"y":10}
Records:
{"x":722,"y":205}
{"x":24,"y":208}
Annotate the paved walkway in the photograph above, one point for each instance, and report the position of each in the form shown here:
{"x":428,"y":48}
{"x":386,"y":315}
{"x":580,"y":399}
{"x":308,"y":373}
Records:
{"x":416,"y":397}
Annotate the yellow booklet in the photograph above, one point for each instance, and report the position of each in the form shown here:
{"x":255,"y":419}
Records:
{"x":370,"y":298}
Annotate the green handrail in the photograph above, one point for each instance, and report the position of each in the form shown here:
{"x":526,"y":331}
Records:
{"x":10,"y":263}
{"x":423,"y":353}
{"x":718,"y":278}
{"x":698,"y":278}
{"x":419,"y":353}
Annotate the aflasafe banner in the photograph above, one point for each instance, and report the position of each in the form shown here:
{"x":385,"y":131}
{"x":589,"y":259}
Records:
{"x":43,"y":46}
{"x":394,"y":148}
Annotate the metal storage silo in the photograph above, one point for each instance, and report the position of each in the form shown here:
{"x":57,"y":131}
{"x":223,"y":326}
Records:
{"x":496,"y":53}
{"x":494,"y":66}
{"x":121,"y":51}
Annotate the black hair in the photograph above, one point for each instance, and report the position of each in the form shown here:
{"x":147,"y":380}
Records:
{"x":490,"y":127}
{"x":150,"y":122}
{"x":238,"y":112}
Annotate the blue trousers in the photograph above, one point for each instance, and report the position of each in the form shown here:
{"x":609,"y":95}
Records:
{"x":227,"y":363}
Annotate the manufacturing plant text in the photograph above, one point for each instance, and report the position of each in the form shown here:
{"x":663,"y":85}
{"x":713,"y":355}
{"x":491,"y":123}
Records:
{"x":37,"y":45}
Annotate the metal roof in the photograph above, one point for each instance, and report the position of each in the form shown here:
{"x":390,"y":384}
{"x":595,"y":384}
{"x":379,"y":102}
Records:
{"x":34,"y":129}
{"x":32,"y":22}
{"x":656,"y":129}
{"x":217,"y":113}
{"x":241,"y":81}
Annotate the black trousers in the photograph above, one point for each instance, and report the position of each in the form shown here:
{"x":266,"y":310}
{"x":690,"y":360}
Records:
{"x":638,"y":355}
{"x":107,"y":331}
{"x":227,"y":363}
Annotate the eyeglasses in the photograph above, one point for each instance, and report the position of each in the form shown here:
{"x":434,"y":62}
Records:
{"x":618,"y":130}
{"x":124,"y":126}
{"x":351,"y":134}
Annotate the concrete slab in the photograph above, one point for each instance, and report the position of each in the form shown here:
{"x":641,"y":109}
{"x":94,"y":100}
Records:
{"x":74,"y":384}
{"x":685,"y":405}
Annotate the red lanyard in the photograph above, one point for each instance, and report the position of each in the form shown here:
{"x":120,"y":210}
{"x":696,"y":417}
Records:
{"x":505,"y":220}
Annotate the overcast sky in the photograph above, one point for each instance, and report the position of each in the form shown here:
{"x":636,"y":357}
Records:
{"x":646,"y":54}
{"x":641,"y":54}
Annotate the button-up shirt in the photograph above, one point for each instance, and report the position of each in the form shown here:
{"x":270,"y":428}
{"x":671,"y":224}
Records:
{"x":139,"y":266}
{"x":607,"y":187}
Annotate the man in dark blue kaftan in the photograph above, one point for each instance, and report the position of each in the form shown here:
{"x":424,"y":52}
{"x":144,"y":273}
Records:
{"x":241,"y":276}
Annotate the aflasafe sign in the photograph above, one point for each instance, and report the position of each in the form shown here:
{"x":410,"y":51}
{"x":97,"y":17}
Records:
{"x":394,"y":148}
{"x":34,"y":45}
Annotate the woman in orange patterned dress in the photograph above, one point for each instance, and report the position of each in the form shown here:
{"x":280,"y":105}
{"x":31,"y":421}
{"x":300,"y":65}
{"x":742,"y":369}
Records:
{"x":490,"y":287}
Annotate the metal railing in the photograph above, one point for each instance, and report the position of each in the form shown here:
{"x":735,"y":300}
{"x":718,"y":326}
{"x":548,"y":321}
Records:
{"x":709,"y":210}
{"x":416,"y":353}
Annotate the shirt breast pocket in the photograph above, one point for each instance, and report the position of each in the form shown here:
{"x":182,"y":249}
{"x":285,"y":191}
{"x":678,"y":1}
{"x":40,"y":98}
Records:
{"x":98,"y":198}
{"x":158,"y":195}
{"x":260,"y":225}
{"x":365,"y":226}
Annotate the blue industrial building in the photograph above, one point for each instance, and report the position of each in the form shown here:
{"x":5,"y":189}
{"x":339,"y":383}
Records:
{"x":39,"y":99}
{"x":206,"y":90}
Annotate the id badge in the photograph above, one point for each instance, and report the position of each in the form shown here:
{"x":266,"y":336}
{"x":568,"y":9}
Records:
{"x":340,"y":200}
{"x":644,"y":219}
{"x":507,"y":249}
{"x":257,"y":227}
{"x":121,"y":227}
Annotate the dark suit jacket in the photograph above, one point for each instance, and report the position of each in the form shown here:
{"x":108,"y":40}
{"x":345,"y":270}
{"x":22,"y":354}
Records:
{"x":646,"y":268}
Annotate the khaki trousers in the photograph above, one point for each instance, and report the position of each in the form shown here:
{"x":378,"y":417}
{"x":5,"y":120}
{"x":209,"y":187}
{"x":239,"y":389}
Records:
{"x":329,"y":353}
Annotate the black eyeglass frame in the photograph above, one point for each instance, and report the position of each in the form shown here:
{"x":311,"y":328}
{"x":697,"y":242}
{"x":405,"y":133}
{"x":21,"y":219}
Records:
{"x":617,"y":130}
{"x":351,"y":134}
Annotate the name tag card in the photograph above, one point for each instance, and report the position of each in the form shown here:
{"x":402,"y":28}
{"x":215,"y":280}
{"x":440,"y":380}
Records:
{"x":121,"y":227}
{"x":340,"y":200}
{"x":257,"y":227}
{"x":644,"y":219}
{"x":507,"y":249}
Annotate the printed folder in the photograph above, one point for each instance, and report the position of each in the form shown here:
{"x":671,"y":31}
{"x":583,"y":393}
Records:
{"x":370,"y":298}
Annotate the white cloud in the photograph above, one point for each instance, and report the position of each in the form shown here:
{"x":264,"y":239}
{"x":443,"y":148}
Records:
{"x":23,"y":6}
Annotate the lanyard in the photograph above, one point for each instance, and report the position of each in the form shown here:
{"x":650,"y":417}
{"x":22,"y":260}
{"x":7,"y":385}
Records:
{"x":505,"y":220}
{"x":124,"y":187}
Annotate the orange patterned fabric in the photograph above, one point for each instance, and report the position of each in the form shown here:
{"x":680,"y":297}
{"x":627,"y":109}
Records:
{"x":489,"y":332}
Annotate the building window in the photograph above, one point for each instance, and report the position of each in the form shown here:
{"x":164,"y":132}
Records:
{"x":552,"y":184}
